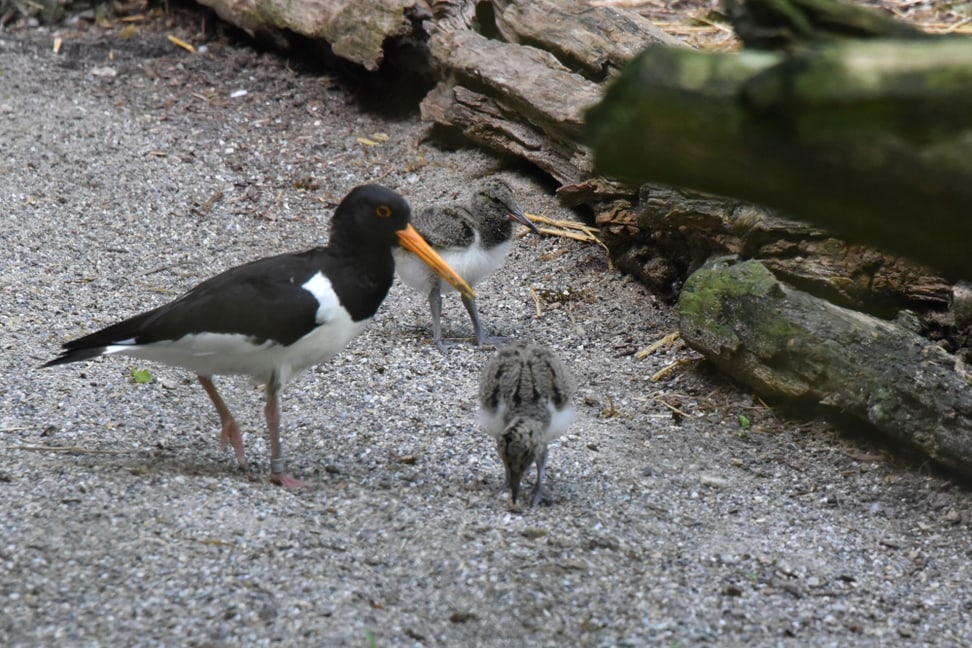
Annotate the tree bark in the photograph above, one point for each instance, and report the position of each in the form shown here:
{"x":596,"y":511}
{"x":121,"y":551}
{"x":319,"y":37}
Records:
{"x":356,"y":30}
{"x":786,"y":344}
{"x":510,"y":98}
{"x":686,"y":228}
{"x":524,"y":91}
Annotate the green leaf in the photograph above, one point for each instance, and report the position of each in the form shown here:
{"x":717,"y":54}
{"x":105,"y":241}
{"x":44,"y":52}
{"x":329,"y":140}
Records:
{"x":141,"y":376}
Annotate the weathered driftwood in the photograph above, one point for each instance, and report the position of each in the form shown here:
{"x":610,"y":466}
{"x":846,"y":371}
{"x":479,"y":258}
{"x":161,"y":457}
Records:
{"x":510,"y":98}
{"x":356,"y":30}
{"x":526,"y":93}
{"x":595,"y":41}
{"x":872,"y":139}
{"x":784,"y":343}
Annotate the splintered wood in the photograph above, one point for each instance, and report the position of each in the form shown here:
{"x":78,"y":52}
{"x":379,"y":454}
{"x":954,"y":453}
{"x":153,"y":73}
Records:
{"x":570,"y":229}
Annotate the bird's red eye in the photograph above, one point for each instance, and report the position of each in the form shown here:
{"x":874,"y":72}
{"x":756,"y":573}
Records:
{"x":383,"y":210}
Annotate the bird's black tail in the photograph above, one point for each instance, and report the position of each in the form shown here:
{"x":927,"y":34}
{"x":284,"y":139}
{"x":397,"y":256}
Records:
{"x":75,"y":355}
{"x":94,"y":344}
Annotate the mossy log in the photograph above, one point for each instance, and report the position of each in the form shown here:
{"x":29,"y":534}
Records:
{"x":788,"y":345}
{"x":872,"y":140}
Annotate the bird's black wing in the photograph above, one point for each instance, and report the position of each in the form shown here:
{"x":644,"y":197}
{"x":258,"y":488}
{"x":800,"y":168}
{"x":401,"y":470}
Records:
{"x":263,"y":300}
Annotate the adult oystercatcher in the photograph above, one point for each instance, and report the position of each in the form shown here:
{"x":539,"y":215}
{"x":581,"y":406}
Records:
{"x":274,"y":317}
{"x":474,"y":239}
{"x":524,"y":395}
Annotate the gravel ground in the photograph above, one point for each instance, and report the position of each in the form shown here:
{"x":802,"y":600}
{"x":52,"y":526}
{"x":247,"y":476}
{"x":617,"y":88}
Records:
{"x":130,"y":170}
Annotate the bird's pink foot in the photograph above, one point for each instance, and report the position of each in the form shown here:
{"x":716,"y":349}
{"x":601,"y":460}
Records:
{"x":287,"y":481}
{"x":230,"y":434}
{"x":229,"y":431}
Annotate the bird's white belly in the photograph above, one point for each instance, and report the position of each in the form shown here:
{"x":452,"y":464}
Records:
{"x":472,"y":264}
{"x":560,"y":420}
{"x":208,"y":354}
{"x":494,"y":422}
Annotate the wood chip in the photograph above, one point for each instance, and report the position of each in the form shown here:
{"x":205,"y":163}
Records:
{"x":664,"y":342}
{"x":175,"y":40}
{"x":672,"y":366}
{"x":571,"y":230}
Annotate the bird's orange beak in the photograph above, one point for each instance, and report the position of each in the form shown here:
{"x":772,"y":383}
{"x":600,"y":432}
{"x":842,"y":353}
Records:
{"x":412,"y":241}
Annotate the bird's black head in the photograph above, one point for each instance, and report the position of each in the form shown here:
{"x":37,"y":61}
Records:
{"x":372,"y":215}
{"x":371,"y":220}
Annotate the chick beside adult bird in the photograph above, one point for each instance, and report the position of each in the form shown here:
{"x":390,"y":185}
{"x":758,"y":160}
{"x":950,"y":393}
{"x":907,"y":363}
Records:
{"x":473,"y":238}
{"x":524,"y":394}
{"x":274,"y":317}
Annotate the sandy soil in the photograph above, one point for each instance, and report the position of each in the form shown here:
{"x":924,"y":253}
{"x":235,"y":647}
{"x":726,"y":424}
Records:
{"x":684,"y":512}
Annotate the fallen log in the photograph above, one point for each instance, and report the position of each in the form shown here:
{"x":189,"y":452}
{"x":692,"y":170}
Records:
{"x":788,"y":345}
{"x":355,"y":30}
{"x":595,"y":41}
{"x":685,"y":228}
{"x":779,"y":24}
{"x":510,"y":98}
{"x":524,"y":92}
{"x":872,"y":140}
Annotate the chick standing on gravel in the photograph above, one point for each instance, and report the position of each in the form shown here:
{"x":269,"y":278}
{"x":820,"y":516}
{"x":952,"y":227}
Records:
{"x":473,"y":238}
{"x":524,"y":393}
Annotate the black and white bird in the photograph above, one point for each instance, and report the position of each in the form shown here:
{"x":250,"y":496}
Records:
{"x":473,"y":238}
{"x":524,"y":395}
{"x":274,"y":317}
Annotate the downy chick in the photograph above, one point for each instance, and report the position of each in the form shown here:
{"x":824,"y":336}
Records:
{"x":524,"y":394}
{"x":473,"y":238}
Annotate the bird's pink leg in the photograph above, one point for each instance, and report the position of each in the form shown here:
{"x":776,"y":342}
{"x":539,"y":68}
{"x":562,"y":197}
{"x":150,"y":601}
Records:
{"x":230,"y":431}
{"x":272,"y":413}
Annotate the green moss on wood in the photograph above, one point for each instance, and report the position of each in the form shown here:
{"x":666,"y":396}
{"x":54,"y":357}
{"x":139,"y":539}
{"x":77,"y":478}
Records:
{"x":709,"y":289}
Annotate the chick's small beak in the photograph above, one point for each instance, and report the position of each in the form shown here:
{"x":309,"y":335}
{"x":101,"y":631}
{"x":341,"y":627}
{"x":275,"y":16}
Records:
{"x":518,"y":215}
{"x":412,"y":241}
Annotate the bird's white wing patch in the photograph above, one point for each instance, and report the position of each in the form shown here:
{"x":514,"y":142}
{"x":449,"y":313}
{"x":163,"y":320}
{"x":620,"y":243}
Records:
{"x":335,"y":328}
{"x":328,"y":303}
